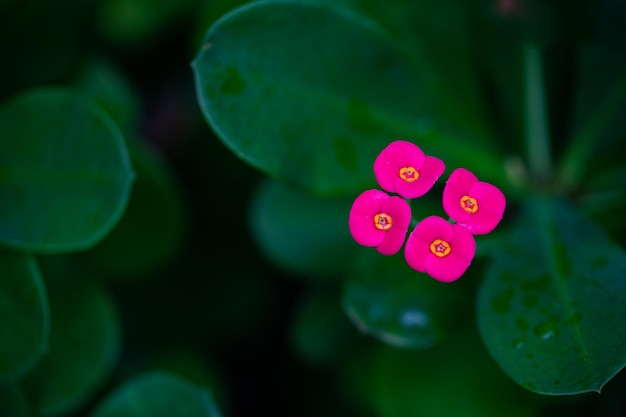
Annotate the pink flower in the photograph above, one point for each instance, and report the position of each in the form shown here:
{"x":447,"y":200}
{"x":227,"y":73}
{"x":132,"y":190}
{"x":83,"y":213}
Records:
{"x":379,"y":220}
{"x":402,"y":168}
{"x":440,"y":249}
{"x":474,"y":204}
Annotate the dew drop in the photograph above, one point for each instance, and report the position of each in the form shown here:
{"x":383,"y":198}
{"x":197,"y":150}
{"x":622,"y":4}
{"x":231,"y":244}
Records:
{"x":414,"y":318}
{"x":519,"y":343}
{"x":547,"y":329}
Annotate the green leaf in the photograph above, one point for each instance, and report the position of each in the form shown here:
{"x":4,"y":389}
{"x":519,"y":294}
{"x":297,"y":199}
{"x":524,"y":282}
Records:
{"x":446,"y":67}
{"x":194,"y":365}
{"x":84,"y":341}
{"x":320,"y":332}
{"x":13,"y":402}
{"x":456,"y":378}
{"x":551,"y":309}
{"x":156,"y":394}
{"x":65,"y":175}
{"x":399,"y":306}
{"x":24,"y":315}
{"x":311,"y":94}
{"x":152,"y":228}
{"x":301,"y":233}
{"x":108,"y":86}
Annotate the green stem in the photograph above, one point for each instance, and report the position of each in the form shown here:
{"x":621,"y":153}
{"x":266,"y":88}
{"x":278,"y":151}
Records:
{"x":576,"y":155}
{"x":537,"y":133}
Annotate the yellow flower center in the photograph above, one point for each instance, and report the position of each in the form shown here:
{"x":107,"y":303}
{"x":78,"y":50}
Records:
{"x":382,"y":221}
{"x":409,"y":174}
{"x":469,"y":204}
{"x":440,"y":248}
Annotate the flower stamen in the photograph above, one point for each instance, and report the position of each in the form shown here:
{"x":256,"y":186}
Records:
{"x":440,"y":248}
{"x":382,"y":221}
{"x":408,"y":174}
{"x":469,"y":204}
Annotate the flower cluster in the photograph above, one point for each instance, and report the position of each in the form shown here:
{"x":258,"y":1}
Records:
{"x":440,"y":248}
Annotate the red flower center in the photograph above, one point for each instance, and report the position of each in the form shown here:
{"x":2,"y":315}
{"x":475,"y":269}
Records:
{"x":409,"y":174}
{"x":469,"y":204}
{"x":382,"y":221}
{"x":440,"y":248}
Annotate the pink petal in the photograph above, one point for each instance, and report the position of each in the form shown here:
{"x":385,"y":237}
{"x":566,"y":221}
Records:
{"x":451,"y":267}
{"x":490,"y":197}
{"x":429,"y":173}
{"x":463,"y":244}
{"x":446,"y":269}
{"x":417,"y":247}
{"x":399,"y":210}
{"x":481,"y":222}
{"x":432,"y":168}
{"x":361,"y":218}
{"x":491,"y":205}
{"x":369,"y":202}
{"x":364,"y":232}
{"x":396,"y":155}
{"x":416,"y":251}
{"x":462,"y":179}
{"x":458,"y":185}
{"x":400,"y":213}
{"x":393,"y":240}
{"x":431,"y":228}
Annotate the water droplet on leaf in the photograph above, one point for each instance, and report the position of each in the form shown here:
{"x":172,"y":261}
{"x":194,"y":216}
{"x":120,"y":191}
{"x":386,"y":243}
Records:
{"x":548,"y":329}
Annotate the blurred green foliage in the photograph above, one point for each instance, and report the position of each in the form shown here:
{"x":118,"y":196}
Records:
{"x":175,"y":182}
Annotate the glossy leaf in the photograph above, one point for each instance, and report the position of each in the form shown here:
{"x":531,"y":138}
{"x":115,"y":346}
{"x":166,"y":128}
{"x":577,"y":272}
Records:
{"x":311,"y":94}
{"x":13,"y":402}
{"x":301,"y":233}
{"x":455,"y":379}
{"x":84,"y":342}
{"x":106,"y":84}
{"x":320,"y":331}
{"x":399,"y":306}
{"x":24,"y":315}
{"x":151,"y":230}
{"x":551,"y":309}
{"x":65,"y":175}
{"x":157,"y":394}
{"x":446,"y":66}
{"x":193,"y":365}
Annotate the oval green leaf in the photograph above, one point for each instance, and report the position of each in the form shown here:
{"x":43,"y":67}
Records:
{"x":65,"y":175}
{"x":311,"y":94}
{"x":108,"y":86}
{"x":13,"y":402}
{"x":157,"y":394}
{"x":301,"y":233}
{"x":85,"y":342}
{"x":458,"y":378}
{"x":320,"y":332}
{"x":24,"y":315}
{"x":403,"y":308}
{"x":551,"y":308}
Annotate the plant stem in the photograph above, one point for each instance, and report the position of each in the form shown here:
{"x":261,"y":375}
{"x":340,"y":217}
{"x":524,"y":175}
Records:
{"x":537,"y":133}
